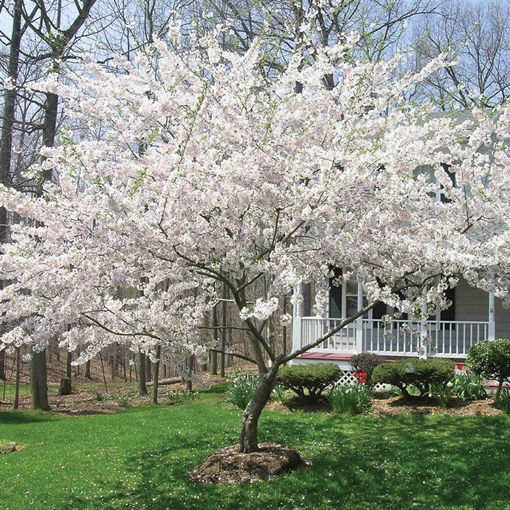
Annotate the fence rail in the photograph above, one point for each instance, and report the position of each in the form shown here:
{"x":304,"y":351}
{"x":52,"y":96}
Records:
{"x":398,"y":337}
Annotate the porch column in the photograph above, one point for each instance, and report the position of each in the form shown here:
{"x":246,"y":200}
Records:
{"x":423,"y":328}
{"x":359,"y":321}
{"x":492,"y":317}
{"x":297,"y":314}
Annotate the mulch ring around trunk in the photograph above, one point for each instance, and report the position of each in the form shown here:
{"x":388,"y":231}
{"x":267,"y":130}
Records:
{"x":228,"y":465}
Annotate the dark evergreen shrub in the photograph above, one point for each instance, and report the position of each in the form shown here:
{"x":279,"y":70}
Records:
{"x":309,"y":381}
{"x":420,"y":373}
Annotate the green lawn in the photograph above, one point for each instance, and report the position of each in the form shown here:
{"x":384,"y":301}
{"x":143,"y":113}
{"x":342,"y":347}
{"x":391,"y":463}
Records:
{"x":140,"y":459}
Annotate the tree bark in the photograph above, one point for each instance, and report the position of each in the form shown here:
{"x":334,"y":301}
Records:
{"x":39,"y":381}
{"x":2,"y":365}
{"x":69,"y":358}
{"x":16,"y":387}
{"x":248,"y":437}
{"x":65,"y":386}
{"x":148,"y":369}
{"x":87,"y":370}
{"x":224,"y":295}
{"x":213,"y":355}
{"x":156,"y":375}
{"x":142,"y":381}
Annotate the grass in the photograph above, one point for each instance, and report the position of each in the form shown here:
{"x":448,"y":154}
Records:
{"x":140,"y":459}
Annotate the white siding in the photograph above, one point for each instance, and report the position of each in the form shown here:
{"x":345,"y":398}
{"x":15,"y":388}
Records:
{"x":472,"y":304}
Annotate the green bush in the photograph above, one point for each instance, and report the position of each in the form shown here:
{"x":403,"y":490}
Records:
{"x":242,"y":387}
{"x":503,"y":401}
{"x":420,"y":373}
{"x":365,"y":362}
{"x":491,"y":360}
{"x":309,"y":381}
{"x":351,"y":399}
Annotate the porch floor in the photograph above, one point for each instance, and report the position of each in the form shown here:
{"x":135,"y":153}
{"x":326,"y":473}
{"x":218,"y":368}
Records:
{"x":343,"y":356}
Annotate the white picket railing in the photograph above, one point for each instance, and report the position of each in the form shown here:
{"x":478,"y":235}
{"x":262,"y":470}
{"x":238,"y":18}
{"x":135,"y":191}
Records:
{"x":398,"y":337}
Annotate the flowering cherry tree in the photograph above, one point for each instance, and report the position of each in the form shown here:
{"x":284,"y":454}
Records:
{"x":206,"y":171}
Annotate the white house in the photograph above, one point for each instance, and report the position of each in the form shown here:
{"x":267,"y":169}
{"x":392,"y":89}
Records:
{"x":473,"y":316}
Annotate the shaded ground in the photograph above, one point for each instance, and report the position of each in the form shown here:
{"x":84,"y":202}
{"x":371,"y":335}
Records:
{"x":92,"y":398}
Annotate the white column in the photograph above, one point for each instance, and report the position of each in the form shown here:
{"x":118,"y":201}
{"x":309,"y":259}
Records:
{"x":423,"y":328}
{"x":492,"y":317}
{"x":359,"y":322}
{"x":297,"y":314}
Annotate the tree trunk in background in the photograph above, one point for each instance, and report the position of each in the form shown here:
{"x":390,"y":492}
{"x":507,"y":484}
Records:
{"x":224,"y":295}
{"x":39,"y":381}
{"x":16,"y":387}
{"x":69,"y":359}
{"x":66,"y":387}
{"x":7,"y":133}
{"x":87,"y":370}
{"x":213,"y":355}
{"x":148,"y":368}
{"x":142,"y":381}
{"x":2,"y":365}
{"x":156,"y":375}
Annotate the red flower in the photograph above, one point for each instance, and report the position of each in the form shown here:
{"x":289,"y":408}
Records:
{"x":356,"y":375}
{"x":459,"y":367}
{"x":468,"y":372}
{"x":362,"y":380}
{"x":363,"y":374}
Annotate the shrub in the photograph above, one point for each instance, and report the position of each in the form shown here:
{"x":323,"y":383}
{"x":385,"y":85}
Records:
{"x":309,"y":381}
{"x":503,"y":401}
{"x":420,"y":373}
{"x":365,"y":362}
{"x":351,"y":399}
{"x":468,"y":386}
{"x":491,"y":360}
{"x":242,"y":388}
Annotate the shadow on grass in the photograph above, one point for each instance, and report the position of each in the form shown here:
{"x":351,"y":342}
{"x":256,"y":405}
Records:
{"x":217,"y":388}
{"x":18,"y":417}
{"x":392,"y":463}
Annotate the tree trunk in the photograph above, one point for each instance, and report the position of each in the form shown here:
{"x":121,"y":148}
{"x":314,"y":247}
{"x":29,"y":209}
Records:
{"x":142,"y":379}
{"x":87,"y":370}
{"x":16,"y":387}
{"x":213,"y":354}
{"x":2,"y":365}
{"x":148,"y":369}
{"x":248,"y":437}
{"x":156,"y":375}
{"x":69,"y":358}
{"x":65,"y":386}
{"x":39,"y":381}
{"x":224,"y":296}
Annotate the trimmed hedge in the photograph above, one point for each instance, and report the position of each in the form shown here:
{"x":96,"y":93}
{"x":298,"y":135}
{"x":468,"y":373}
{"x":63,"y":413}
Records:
{"x":420,"y":373}
{"x":309,"y":381}
{"x":491,"y":360}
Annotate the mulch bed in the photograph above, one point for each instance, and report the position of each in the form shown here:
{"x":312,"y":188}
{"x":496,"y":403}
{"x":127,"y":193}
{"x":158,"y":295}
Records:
{"x":424,"y":406}
{"x":228,"y":465}
{"x":397,"y":405}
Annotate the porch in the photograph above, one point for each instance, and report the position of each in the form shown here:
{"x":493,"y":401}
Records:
{"x":448,"y":339}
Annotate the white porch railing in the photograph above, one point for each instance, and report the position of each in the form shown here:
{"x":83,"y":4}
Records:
{"x":396,"y":338}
